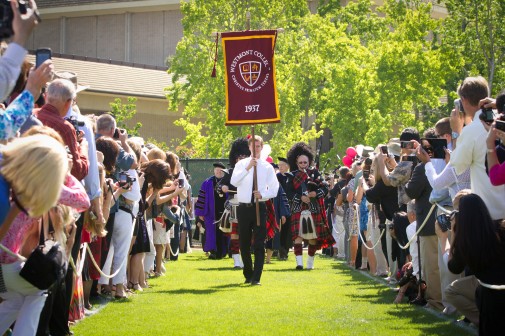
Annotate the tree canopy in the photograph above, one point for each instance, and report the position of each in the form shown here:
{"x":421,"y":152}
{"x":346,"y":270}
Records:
{"x":360,"y":71}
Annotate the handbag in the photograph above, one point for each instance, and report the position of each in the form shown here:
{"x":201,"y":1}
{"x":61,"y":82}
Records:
{"x":46,"y":264}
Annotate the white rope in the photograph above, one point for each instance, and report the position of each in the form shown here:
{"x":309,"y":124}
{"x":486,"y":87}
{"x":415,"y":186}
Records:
{"x":172,"y":252}
{"x":98,"y":268}
{"x":414,"y":237}
{"x":12,"y":254}
{"x":444,"y":210}
{"x":376,"y":243}
{"x":495,"y":287}
{"x":83,"y":256}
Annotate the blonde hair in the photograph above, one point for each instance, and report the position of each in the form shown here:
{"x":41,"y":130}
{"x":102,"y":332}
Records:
{"x":156,"y":153}
{"x":457,"y":198}
{"x":35,"y":167}
{"x":61,"y":217}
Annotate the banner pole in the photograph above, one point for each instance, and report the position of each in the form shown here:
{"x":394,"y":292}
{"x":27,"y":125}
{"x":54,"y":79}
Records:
{"x":255,"y":177}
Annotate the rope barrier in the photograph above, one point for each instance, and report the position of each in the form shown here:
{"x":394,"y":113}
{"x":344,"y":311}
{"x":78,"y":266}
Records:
{"x":494,"y":287}
{"x":419,"y":230}
{"x":12,"y":254}
{"x":98,"y":268}
{"x":376,"y":243}
{"x":172,"y":252}
{"x":83,"y":257}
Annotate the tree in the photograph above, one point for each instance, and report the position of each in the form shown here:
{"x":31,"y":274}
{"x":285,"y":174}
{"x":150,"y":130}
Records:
{"x":125,"y":112}
{"x":203,"y":97}
{"x":475,"y":31}
{"x":362,"y":75}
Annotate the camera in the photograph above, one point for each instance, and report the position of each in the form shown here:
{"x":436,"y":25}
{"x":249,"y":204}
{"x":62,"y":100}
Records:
{"x":407,"y":277}
{"x":444,"y":221}
{"x":76,"y":123}
{"x":366,"y":175}
{"x":407,"y":145}
{"x":500,"y":125}
{"x":384,"y":150}
{"x":125,"y":179}
{"x":6,"y":17}
{"x":487,"y":115}
{"x":117,"y":132}
{"x":181,"y":182}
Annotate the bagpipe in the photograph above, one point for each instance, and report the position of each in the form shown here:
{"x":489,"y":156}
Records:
{"x":308,"y":181}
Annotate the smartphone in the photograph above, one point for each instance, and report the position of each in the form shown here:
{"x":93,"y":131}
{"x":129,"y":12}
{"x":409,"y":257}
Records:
{"x":437,"y":146}
{"x":384,"y":150}
{"x":407,"y":145}
{"x":500,"y":125}
{"x":181,"y":182}
{"x":458,"y":105}
{"x":42,"y":55}
{"x":444,"y":222}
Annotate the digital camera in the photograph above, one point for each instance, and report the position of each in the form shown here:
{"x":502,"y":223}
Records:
{"x":487,"y":115}
{"x":444,"y":221}
{"x":76,"y":123}
{"x":125,"y":179}
{"x":6,"y":16}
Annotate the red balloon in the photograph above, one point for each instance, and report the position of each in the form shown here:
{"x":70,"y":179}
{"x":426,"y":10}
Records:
{"x":347,"y":160}
{"x":351,"y":152}
{"x":269,"y":159}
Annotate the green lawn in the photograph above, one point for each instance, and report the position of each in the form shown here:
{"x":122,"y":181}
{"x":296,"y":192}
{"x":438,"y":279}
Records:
{"x":207,"y":297}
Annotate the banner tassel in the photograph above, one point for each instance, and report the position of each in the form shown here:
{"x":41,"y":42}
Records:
{"x":215,"y":58}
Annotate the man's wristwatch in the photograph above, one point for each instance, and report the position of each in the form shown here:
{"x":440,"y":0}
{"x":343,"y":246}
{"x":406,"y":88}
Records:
{"x":454,"y":135}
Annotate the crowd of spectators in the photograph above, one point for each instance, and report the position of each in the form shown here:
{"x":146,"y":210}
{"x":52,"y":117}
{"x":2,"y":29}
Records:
{"x":437,"y":202}
{"x":422,"y":211}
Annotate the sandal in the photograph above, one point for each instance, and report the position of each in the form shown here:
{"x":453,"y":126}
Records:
{"x":104,"y":291}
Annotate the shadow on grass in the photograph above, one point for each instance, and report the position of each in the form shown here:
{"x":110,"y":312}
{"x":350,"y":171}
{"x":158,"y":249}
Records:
{"x":196,"y":291}
{"x":419,"y":317}
{"x":229,"y":268}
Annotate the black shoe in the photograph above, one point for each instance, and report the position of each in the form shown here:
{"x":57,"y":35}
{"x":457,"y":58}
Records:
{"x":419,"y":301}
{"x":255,"y":283}
{"x":299,"y":267}
{"x":248,"y":281}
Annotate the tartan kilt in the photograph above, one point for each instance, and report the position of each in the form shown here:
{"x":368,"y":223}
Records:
{"x":271,"y":223}
{"x":234,"y":229}
{"x":324,"y":236}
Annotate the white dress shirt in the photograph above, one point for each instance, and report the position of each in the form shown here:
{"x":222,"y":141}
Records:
{"x":92,"y":180}
{"x":10,"y":67}
{"x":471,"y":152}
{"x":243,"y":180}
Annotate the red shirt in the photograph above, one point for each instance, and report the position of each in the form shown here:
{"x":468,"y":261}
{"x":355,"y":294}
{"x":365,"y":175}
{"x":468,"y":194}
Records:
{"x":49,"y":116}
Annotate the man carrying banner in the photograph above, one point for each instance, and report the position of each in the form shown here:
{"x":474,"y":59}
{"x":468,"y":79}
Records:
{"x":267,"y":187}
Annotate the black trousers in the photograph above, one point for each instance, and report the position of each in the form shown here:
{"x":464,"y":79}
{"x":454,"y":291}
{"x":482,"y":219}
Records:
{"x":54,"y":316}
{"x":249,"y":230}
{"x":286,"y":235}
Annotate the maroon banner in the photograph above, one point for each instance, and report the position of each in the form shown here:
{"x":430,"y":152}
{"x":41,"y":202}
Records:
{"x":251,"y":94}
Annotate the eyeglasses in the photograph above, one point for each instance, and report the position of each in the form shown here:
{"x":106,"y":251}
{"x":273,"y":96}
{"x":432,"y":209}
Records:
{"x":303,"y":162}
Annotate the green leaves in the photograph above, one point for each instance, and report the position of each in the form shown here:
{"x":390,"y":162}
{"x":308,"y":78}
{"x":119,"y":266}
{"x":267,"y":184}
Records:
{"x":362,"y":74}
